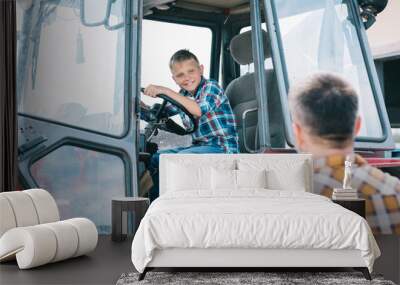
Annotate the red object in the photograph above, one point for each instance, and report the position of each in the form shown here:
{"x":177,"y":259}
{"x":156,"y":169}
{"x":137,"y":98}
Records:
{"x":383,"y":162}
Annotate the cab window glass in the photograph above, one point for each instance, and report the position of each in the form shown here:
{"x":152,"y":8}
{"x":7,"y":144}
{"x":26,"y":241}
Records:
{"x":331,"y":45}
{"x":69,"y":71}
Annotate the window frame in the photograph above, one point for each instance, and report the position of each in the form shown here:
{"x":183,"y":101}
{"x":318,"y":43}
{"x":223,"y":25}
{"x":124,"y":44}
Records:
{"x":38,"y":136}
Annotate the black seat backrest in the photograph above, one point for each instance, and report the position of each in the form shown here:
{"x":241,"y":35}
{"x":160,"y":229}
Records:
{"x":241,"y":93}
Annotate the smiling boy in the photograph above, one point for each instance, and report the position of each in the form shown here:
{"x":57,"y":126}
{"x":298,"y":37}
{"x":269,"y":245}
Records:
{"x":206,"y":101}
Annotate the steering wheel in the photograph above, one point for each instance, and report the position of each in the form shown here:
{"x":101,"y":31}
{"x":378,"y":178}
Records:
{"x":158,"y":118}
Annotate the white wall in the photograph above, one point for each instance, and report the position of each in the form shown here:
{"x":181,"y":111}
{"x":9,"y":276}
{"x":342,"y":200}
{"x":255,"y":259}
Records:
{"x":384,"y":35}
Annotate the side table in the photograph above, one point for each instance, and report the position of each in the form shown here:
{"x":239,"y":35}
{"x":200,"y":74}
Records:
{"x":137,"y":205}
{"x":355,"y":205}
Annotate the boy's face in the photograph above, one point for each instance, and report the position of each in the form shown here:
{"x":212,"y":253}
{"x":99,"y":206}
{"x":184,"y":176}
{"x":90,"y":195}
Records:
{"x":187,"y":74}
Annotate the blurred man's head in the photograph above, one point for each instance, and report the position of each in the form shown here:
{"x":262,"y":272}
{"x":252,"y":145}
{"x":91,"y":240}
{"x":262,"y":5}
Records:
{"x":324,"y":112}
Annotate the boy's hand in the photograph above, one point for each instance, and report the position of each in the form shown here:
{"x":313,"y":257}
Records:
{"x":189,"y":104}
{"x":154,"y":90}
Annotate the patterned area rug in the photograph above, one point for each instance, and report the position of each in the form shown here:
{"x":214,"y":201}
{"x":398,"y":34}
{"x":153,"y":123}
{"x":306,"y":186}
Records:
{"x":273,"y":278}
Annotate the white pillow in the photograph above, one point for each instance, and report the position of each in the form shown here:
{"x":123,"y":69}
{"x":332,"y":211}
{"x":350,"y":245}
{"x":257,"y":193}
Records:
{"x":293,"y":180}
{"x":223,"y":179}
{"x":283,"y":173}
{"x":188,"y":177}
{"x":189,"y":174}
{"x":226,"y":179}
{"x":251,"y":178}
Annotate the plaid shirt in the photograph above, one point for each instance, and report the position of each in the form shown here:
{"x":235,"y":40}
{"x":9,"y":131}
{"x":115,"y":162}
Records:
{"x":216,"y":125}
{"x":380,"y":190}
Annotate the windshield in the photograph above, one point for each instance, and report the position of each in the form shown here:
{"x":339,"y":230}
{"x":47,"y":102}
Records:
{"x":320,"y":36}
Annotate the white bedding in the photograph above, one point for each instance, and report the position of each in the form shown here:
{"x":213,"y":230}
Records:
{"x":252,"y":218}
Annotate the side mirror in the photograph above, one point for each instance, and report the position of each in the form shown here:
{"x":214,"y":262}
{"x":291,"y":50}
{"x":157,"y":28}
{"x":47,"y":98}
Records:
{"x":95,"y":12}
{"x":371,"y":8}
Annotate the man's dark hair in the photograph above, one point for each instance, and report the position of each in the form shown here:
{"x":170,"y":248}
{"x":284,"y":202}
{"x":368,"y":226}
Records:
{"x":327,"y":105}
{"x":181,"y":55}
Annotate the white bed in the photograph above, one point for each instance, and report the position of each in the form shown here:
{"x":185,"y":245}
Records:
{"x":213,"y":222}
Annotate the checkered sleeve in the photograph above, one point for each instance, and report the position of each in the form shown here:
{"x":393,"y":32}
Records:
{"x":380,"y":190}
{"x":210,"y":98}
{"x":382,"y":194}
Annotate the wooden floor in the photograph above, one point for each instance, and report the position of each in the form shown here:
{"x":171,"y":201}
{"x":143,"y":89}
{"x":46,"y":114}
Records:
{"x":111,"y":259}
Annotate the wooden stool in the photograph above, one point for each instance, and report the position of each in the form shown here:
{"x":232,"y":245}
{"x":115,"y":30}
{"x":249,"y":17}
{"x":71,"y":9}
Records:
{"x":137,"y":205}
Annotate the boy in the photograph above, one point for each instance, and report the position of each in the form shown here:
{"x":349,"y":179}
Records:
{"x":206,"y":101}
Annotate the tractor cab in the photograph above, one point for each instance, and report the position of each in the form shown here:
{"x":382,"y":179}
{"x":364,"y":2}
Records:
{"x":86,"y":131}
{"x":259,"y":51}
